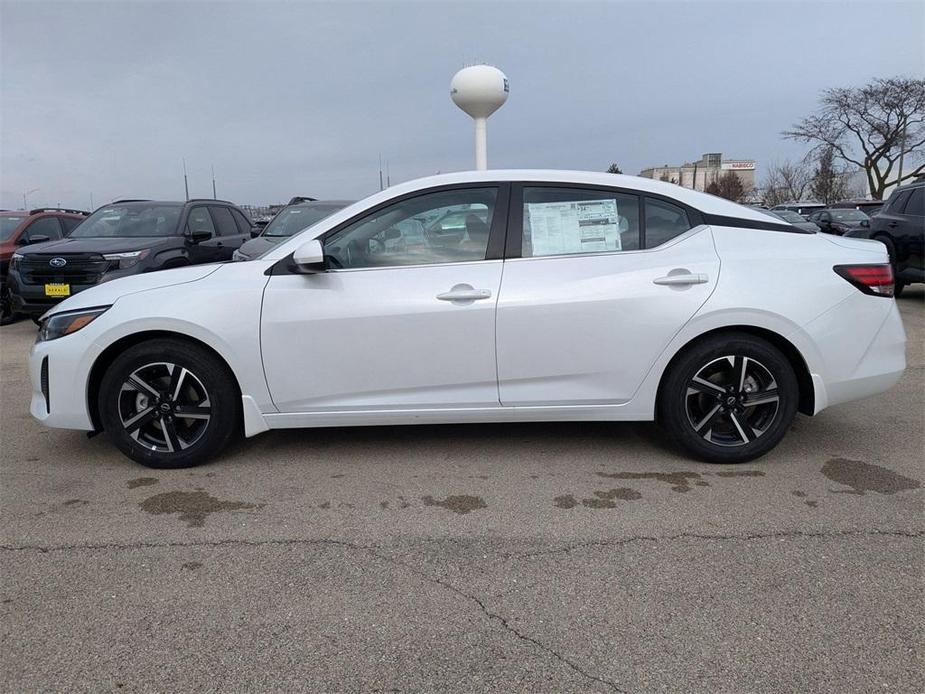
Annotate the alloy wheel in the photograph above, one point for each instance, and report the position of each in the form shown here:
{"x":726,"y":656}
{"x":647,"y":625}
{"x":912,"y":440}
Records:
{"x":164,"y":407}
{"x":732,"y":401}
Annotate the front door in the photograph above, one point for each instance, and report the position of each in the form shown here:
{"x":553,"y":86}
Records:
{"x":404,"y":316}
{"x":605,"y":281}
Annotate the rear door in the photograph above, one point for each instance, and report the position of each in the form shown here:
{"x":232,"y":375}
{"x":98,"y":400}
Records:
{"x":229,"y":236}
{"x":597,"y":283}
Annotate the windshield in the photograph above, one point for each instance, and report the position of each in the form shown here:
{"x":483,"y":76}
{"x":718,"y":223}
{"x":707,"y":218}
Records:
{"x":8,"y":226}
{"x":130,"y":220}
{"x":292,"y":220}
{"x":848,"y":216}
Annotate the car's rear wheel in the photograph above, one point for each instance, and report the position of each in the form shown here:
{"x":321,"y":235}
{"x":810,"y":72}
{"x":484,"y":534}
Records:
{"x":169,"y":404}
{"x":729,"y":398}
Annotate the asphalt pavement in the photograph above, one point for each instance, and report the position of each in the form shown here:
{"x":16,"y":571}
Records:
{"x":540,"y":557}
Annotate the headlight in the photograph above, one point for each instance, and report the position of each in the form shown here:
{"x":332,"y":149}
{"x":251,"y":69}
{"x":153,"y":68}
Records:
{"x":61,"y":324}
{"x":127,"y":259}
{"x":14,"y":261}
{"x":238,"y":255}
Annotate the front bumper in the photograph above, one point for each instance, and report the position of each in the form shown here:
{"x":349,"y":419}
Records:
{"x":68,"y":370}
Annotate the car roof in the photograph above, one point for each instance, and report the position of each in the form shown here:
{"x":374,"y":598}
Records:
{"x":710,"y":204}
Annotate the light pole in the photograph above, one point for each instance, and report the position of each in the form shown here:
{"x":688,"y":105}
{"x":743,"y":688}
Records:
{"x":25,"y":205}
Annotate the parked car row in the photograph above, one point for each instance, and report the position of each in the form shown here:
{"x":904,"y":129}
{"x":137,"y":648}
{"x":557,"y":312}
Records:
{"x":22,"y":228}
{"x":49,"y":255}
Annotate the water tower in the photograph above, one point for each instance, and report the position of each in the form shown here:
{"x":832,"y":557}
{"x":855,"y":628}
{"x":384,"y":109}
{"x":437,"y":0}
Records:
{"x":479,"y":90}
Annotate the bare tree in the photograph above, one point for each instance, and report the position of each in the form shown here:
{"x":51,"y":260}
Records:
{"x":728,"y":186}
{"x":614,"y":169}
{"x":786,"y":181}
{"x":874,"y":127}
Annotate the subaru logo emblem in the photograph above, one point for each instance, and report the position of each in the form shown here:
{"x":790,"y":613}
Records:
{"x":57,"y":262}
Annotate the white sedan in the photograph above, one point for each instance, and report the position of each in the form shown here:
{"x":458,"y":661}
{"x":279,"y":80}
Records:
{"x":492,"y":296}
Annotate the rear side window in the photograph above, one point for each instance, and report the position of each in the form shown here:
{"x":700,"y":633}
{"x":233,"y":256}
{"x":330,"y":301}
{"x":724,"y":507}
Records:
{"x":567,"y":221}
{"x":199,"y":220}
{"x":224,"y":221}
{"x":664,"y":222}
{"x":915,"y":205}
{"x":898,"y":201}
{"x":244,"y":224}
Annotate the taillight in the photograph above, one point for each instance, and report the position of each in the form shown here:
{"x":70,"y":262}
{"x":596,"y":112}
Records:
{"x":870,"y":279}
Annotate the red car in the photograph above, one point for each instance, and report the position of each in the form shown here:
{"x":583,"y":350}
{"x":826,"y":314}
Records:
{"x":21,"y":227}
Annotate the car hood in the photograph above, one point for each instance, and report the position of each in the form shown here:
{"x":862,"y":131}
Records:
{"x":99,"y":245}
{"x":256,"y":246}
{"x":108,"y":292}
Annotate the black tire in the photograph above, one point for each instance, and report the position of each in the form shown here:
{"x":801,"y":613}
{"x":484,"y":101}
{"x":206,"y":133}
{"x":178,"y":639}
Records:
{"x":145,"y":418}
{"x":723,"y":417}
{"x":7,"y":314}
{"x":898,"y":287}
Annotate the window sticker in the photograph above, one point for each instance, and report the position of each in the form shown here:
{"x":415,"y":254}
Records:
{"x":585,"y":226}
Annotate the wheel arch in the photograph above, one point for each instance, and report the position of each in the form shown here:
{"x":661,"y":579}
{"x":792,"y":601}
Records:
{"x":806,"y":404}
{"x":109,"y":354}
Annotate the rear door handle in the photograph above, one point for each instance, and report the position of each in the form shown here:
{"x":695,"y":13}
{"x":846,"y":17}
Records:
{"x":681,"y":279}
{"x":464,"y":292}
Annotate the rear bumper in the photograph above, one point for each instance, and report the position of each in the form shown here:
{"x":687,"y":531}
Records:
{"x":852,"y":370}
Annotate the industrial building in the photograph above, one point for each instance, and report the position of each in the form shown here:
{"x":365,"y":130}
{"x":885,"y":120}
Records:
{"x":700,"y":174}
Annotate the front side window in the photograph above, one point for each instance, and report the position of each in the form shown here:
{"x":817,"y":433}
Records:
{"x":130,"y":220}
{"x":449,"y":226}
{"x":566,"y":221}
{"x":46,"y":226}
{"x":664,"y":222}
{"x":70,"y":223}
{"x":199,"y":220}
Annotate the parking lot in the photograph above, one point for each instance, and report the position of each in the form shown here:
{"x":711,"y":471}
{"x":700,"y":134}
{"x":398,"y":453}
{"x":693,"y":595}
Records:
{"x":565,"y":557}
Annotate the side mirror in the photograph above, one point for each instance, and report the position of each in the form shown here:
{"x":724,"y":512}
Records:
{"x":35,"y":238}
{"x":309,"y":257}
{"x":198,"y":235}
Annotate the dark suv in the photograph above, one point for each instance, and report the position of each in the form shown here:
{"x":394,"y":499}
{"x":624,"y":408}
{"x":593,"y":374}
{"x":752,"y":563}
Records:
{"x":900,"y":226}
{"x":21,"y":228}
{"x":125,"y":238}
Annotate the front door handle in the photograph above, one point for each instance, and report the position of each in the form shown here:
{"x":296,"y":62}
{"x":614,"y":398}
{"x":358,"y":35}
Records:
{"x":681,"y":279}
{"x":464,"y":293}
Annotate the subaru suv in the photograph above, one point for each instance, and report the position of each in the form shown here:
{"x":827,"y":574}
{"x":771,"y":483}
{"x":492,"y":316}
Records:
{"x":22,"y":228}
{"x":127,"y":237}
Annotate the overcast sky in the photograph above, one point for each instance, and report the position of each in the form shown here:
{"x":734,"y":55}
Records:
{"x":302,"y":97}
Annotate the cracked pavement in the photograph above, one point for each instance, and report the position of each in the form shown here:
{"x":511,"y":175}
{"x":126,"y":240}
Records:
{"x":548,"y":557}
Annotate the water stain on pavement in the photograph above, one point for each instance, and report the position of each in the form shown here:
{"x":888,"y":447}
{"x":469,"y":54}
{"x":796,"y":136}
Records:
{"x":192,"y":507}
{"x":565,"y":501}
{"x":738,"y":473}
{"x":679,"y":481}
{"x":461,"y":504}
{"x":76,"y":502}
{"x":865,"y":477}
{"x":192,"y":565}
{"x":607,"y":499}
{"x":141,"y":482}
{"x":798,"y":493}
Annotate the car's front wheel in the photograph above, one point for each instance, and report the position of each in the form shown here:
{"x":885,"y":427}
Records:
{"x":169,"y":403}
{"x":729,"y":398}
